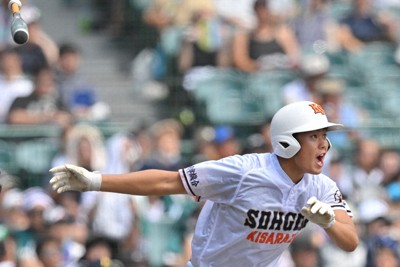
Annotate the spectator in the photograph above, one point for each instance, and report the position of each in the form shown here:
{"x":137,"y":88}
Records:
{"x":78,"y":94}
{"x":312,"y":67}
{"x":71,"y":237}
{"x":204,"y":147}
{"x":316,"y":30}
{"x":330,"y":92}
{"x":305,"y":251}
{"x":386,"y":253}
{"x":365,"y":25}
{"x":13,"y":214}
{"x":13,"y":81}
{"x":84,"y":144}
{"x":259,"y":142}
{"x":8,"y":249}
{"x":205,"y":46}
{"x":367,"y":176}
{"x":340,"y":172}
{"x":67,"y":223}
{"x":114,"y":216}
{"x":167,"y":139}
{"x":71,"y":208}
{"x":389,"y":163}
{"x":270,"y":45}
{"x":374,"y":215}
{"x":169,"y":18}
{"x":255,"y":144}
{"x":331,"y":256}
{"x":106,"y":15}
{"x":226,"y":141}
{"x":42,"y":106}
{"x":49,"y":252}
{"x":204,"y":43}
{"x":137,"y":143}
{"x":99,"y":249}
{"x":164,"y":229}
{"x":36,"y":202}
{"x":124,"y":152}
{"x":10,"y":197}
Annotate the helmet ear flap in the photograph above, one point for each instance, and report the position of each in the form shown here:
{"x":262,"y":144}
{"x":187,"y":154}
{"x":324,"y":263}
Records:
{"x":329,"y":143}
{"x":285,"y":146}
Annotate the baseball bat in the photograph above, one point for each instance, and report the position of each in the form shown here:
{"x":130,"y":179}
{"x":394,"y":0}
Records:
{"x":19,"y":29}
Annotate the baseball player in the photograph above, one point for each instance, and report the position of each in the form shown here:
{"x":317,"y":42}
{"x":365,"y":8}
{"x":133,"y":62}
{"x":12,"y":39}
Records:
{"x":255,"y":204}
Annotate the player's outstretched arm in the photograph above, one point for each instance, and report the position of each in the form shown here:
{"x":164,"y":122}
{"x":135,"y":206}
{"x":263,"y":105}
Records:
{"x":147,"y":182}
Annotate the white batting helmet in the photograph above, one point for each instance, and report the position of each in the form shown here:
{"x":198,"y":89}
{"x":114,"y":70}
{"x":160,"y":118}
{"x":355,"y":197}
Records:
{"x":298,"y":117}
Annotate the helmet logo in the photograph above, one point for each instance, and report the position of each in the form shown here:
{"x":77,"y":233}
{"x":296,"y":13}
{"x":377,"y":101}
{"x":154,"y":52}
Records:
{"x":317,"y":108}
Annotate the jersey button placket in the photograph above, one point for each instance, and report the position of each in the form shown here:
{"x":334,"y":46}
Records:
{"x":291,"y":197}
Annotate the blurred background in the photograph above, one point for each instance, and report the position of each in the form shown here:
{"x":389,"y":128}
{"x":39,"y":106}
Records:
{"x":126,"y":85}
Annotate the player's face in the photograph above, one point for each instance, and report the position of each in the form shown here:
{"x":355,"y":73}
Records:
{"x":314,"y":145}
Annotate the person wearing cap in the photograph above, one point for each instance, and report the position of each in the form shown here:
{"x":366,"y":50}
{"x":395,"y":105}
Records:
{"x":330,"y":95}
{"x":386,"y":253}
{"x":255,"y":204}
{"x":378,"y":225}
{"x":226,"y":142}
{"x":13,"y":214}
{"x":313,"y":67}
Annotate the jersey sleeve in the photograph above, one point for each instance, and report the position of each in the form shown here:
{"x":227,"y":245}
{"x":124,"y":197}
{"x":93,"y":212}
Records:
{"x":331,"y":195}
{"x":218,"y":180}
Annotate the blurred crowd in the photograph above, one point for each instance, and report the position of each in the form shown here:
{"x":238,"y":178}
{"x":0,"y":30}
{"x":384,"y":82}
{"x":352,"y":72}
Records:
{"x":234,"y":63}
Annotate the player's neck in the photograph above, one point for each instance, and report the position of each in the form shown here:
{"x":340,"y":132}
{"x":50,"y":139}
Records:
{"x":291,"y":169}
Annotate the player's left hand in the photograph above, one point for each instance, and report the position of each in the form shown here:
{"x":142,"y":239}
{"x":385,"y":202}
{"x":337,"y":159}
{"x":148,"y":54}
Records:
{"x":74,"y":178}
{"x":319,"y":213}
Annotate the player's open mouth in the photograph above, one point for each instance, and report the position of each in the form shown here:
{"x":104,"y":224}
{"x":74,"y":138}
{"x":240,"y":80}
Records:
{"x":320,"y":159}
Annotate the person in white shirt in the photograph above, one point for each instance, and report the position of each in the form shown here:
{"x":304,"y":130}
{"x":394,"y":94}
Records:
{"x":13,"y":81}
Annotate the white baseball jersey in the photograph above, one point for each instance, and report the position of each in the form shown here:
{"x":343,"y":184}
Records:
{"x":253,"y":209}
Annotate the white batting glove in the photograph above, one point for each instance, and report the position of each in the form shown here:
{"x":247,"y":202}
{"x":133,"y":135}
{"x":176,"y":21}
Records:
{"x":319,"y":213}
{"x":73,"y":178}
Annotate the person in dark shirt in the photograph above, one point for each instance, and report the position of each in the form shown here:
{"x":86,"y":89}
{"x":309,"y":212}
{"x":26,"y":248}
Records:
{"x":272,"y":44}
{"x":42,"y":106}
{"x":365,"y":25}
